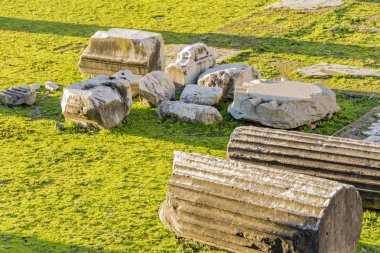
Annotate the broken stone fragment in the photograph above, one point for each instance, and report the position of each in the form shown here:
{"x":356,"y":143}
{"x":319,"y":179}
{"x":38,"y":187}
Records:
{"x":97,"y":103}
{"x":201,"y":95}
{"x":157,"y":87}
{"x":349,"y":161}
{"x":15,"y":96}
{"x":243,"y":207}
{"x":283,"y":104}
{"x":327,"y":70}
{"x":228,"y":76}
{"x":51,"y":86}
{"x":134,"y":80}
{"x":191,"y":113}
{"x":123,"y":49}
{"x":191,"y":62}
{"x":35,"y":86}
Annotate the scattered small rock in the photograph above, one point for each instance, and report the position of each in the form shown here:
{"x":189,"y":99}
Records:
{"x":59,"y":126}
{"x":334,"y":28}
{"x":51,"y":86}
{"x":35,"y":86}
{"x":201,"y":95}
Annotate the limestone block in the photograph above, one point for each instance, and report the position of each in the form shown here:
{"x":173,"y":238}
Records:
{"x":249,"y":208}
{"x":123,"y":49}
{"x":97,"y":103}
{"x":191,"y":113}
{"x":201,"y":95}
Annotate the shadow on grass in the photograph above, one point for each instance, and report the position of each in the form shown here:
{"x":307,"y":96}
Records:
{"x":256,"y":44}
{"x":15,"y":243}
{"x":368,"y":248}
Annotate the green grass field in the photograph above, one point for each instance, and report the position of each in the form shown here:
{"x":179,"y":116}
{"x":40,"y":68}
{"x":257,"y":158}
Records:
{"x":86,"y":191}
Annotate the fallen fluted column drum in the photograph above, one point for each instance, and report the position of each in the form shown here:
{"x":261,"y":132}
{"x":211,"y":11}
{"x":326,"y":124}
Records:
{"x":242,"y":207}
{"x":349,"y":161}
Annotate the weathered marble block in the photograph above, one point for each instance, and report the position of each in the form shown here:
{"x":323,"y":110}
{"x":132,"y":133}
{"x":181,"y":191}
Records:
{"x":122,"y":49}
{"x":97,"y":103}
{"x":248,"y":208}
{"x":349,"y":161}
{"x":191,"y":113}
{"x":133,"y":79}
{"x":15,"y":96}
{"x":157,"y":87}
{"x":191,"y":62}
{"x":228,"y":76}
{"x":201,"y":95}
{"x":283,"y":104}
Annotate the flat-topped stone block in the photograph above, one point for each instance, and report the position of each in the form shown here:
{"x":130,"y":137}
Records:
{"x":123,"y":49}
{"x":283,"y":104}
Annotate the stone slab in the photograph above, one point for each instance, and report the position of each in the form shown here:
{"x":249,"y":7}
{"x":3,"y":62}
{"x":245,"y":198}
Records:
{"x":327,"y":70}
{"x":306,"y":4}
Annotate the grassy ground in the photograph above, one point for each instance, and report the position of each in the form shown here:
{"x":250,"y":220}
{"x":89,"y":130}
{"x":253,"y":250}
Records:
{"x":84,"y":191}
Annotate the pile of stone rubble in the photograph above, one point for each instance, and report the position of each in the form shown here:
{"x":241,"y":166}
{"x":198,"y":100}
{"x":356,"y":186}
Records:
{"x":127,"y":63}
{"x":138,"y":58}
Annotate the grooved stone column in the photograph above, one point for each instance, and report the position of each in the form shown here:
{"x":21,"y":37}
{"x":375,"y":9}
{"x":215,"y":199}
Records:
{"x":348,"y":161}
{"x":248,"y":208}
